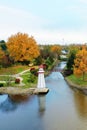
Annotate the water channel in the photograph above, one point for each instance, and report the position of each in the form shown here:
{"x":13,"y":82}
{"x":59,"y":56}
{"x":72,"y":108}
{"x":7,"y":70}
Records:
{"x":61,"y":109}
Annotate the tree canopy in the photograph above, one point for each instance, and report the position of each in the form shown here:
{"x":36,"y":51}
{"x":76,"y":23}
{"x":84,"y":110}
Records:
{"x":56,"y":49}
{"x":80,"y":66}
{"x":2,"y":54}
{"x":21,"y":47}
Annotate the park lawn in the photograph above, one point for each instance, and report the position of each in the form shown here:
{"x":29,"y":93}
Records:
{"x":28,"y":83}
{"x":6,"y":78}
{"x":13,"y":69}
{"x":78,"y":80}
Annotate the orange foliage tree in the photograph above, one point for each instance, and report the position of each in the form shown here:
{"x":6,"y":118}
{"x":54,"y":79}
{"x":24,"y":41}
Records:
{"x":80,"y":66}
{"x":56,"y":49}
{"x":21,"y":47}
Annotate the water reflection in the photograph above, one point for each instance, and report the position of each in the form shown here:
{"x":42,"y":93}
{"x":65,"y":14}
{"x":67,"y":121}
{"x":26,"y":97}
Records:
{"x":12,"y":102}
{"x":81,"y":104}
{"x":8,"y":105}
{"x":19,"y":98}
{"x":3,"y":98}
{"x":42,"y":103}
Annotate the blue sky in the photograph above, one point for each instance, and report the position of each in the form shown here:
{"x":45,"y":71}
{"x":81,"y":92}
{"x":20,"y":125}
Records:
{"x":49,"y":21}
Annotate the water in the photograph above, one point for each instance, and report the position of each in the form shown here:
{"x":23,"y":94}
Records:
{"x":61,"y":109}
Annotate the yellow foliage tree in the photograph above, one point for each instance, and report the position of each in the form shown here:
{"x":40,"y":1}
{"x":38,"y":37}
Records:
{"x":56,"y":49}
{"x":2,"y":54}
{"x":21,"y":47}
{"x":80,"y":66}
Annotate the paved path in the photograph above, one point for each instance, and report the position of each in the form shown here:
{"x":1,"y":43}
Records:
{"x":15,"y":75}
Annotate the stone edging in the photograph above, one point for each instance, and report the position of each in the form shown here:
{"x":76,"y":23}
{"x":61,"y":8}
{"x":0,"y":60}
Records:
{"x":16,"y":91}
{"x":21,"y":91}
{"x":78,"y":87}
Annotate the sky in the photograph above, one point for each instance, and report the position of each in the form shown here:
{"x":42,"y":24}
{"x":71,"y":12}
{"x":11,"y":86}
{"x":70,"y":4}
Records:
{"x":48,"y":21}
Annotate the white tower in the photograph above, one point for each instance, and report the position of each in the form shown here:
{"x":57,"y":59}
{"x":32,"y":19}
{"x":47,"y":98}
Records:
{"x":41,"y":79}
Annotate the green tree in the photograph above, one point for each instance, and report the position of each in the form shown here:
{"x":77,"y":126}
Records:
{"x":70,"y":61}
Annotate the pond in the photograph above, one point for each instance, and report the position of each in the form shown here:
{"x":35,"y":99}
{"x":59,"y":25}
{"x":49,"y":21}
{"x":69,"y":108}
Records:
{"x":61,"y":109}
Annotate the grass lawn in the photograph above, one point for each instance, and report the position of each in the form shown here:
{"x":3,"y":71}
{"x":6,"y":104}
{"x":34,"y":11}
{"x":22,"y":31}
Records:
{"x":13,"y":70}
{"x":5,"y":78}
{"x":78,"y":80}
{"x":27,"y":82}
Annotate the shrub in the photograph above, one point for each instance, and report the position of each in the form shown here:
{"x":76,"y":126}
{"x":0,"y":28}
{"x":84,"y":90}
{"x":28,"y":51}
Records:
{"x":17,"y":80}
{"x":31,"y":78}
{"x":45,"y":66}
{"x":34,"y":71}
{"x":1,"y":84}
{"x":67,"y":72}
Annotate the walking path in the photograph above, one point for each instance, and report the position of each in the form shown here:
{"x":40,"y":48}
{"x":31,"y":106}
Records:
{"x":16,"y":75}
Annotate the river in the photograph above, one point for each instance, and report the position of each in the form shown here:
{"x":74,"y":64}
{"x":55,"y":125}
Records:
{"x":61,"y":109}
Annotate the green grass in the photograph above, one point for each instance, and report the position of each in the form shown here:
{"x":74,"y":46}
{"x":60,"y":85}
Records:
{"x":29,"y":81}
{"x":5,"y":78}
{"x":13,"y":70}
{"x":78,"y":80}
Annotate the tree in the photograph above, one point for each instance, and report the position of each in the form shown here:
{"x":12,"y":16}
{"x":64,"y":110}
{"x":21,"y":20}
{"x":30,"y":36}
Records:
{"x":3,"y":46}
{"x":2,"y":41}
{"x":71,"y":58}
{"x":70,"y":61}
{"x":2,"y":54}
{"x":56,"y":49}
{"x":80,"y":67}
{"x":21,"y":47}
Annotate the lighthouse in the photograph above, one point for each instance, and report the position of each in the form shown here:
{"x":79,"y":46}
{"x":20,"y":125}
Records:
{"x":41,"y":79}
{"x":41,"y":85}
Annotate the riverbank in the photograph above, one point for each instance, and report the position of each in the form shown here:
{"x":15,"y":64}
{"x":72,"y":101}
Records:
{"x":82,"y":89}
{"x":16,"y":90}
{"x":21,"y":91}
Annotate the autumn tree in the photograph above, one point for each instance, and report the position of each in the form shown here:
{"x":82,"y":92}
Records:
{"x":80,"y":63}
{"x":21,"y":47}
{"x":56,"y":49}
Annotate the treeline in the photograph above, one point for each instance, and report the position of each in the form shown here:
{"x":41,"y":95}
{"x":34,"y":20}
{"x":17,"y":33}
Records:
{"x":21,"y":48}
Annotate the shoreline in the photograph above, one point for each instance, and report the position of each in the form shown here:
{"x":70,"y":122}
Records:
{"x":75,"y":86}
{"x":16,"y":91}
{"x":23,"y":91}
